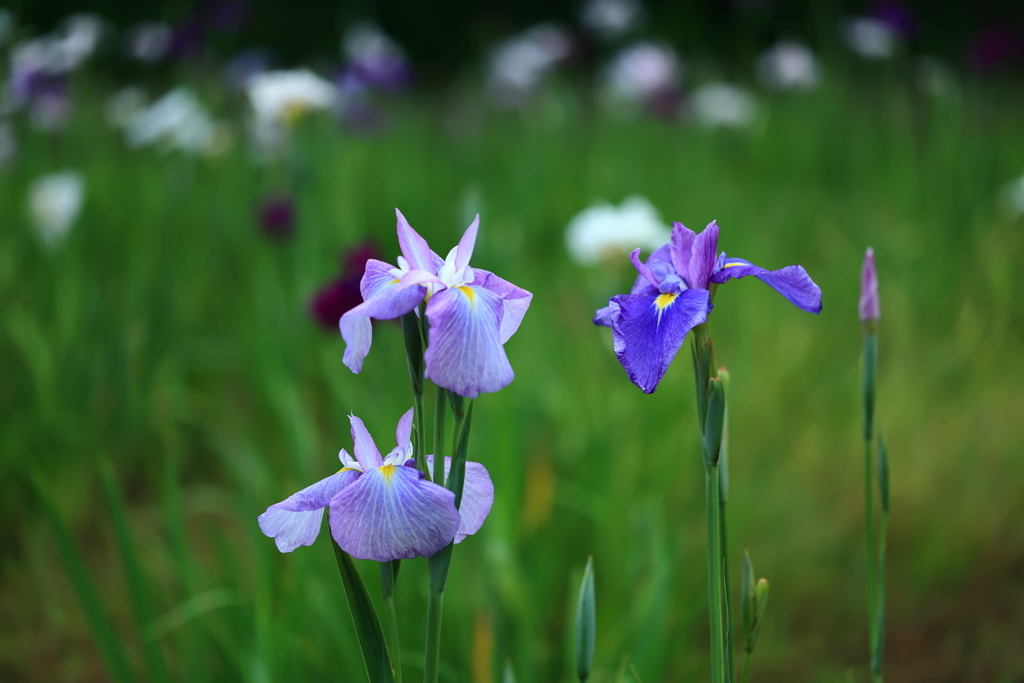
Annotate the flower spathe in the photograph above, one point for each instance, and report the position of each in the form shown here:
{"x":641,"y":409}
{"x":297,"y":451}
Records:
{"x":382,"y":508}
{"x":671,"y":296}
{"x":471,"y":313}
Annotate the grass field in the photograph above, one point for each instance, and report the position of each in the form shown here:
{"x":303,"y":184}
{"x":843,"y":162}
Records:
{"x":163,"y":383}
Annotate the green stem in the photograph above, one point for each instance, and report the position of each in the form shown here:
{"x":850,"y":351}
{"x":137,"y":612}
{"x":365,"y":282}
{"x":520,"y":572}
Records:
{"x":435,"y":606}
{"x":878,"y":640}
{"x":727,"y":627}
{"x":388,"y":577}
{"x":412,"y":331}
{"x":440,"y":420}
{"x":715,"y":588}
{"x":870,"y":353}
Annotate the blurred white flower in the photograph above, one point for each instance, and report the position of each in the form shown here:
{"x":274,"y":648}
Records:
{"x":79,"y":36}
{"x":788,"y":65}
{"x":124,"y":104}
{"x":6,"y":25}
{"x":280,"y":97}
{"x":605,"y":230}
{"x":640,"y":73}
{"x":149,"y":41}
{"x":54,"y":202}
{"x":870,"y":38}
{"x":611,"y":19}
{"x":1011,"y":198}
{"x":517,"y":66}
{"x":722,"y":104}
{"x":8,"y":144}
{"x":175,"y":121}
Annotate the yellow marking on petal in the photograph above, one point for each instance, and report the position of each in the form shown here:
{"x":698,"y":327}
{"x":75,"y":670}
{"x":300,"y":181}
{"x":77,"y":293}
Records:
{"x":664,"y":301}
{"x":470,"y":294}
{"x":395,"y":281}
{"x":388,"y":471}
{"x":347,"y":469}
{"x":730,"y":265}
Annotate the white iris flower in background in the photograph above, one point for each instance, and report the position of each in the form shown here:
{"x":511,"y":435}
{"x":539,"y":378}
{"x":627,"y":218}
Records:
{"x":608,"y":231}
{"x":54,"y":202}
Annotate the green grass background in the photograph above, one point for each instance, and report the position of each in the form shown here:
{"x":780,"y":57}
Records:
{"x":167,"y":344}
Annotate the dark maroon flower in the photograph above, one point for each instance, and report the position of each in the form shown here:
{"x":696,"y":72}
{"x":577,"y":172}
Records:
{"x":342,"y":293}
{"x":995,"y":47}
{"x":277,"y":216}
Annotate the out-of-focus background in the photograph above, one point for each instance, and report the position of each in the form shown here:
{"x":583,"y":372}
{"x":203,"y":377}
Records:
{"x":188,"y":192}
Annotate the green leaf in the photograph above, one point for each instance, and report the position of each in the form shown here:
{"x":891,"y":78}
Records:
{"x":509,"y":674}
{"x":156,"y":665}
{"x":107,"y":639}
{"x":364,"y":617}
{"x":388,"y":577}
{"x":883,"y":473}
{"x":586,"y":624}
{"x":867,"y":385}
{"x":413,"y":350}
{"x":761,"y":603}
{"x":715,"y":424}
{"x":747,"y":604}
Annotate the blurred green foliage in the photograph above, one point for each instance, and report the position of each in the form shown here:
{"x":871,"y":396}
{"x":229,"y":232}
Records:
{"x":169,"y":340}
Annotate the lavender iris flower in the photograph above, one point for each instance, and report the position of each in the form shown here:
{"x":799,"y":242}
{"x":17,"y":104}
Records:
{"x":382,"y":508}
{"x":671,"y":296}
{"x":471,"y":312}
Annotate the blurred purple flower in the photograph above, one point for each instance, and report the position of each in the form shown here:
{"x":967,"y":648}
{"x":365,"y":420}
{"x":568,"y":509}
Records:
{"x":342,"y":293}
{"x":375,"y":59}
{"x":899,"y":17}
{"x":277,"y":216}
{"x":995,"y":47}
{"x":244,"y":66}
{"x":149,"y":41}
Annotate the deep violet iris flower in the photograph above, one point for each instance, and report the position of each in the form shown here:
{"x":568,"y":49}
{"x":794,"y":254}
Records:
{"x":382,"y":508}
{"x":471,"y":312}
{"x":671,"y":296}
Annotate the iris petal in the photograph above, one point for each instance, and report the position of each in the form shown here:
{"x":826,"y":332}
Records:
{"x":388,"y":300}
{"x":363,"y":445}
{"x":393,"y":513}
{"x":296,"y":520}
{"x":514,"y":300}
{"x":792,"y":282}
{"x":464,"y":352}
{"x":414,"y":247}
{"x":649,"y":330}
{"x":477,"y":496}
{"x":703,"y":255}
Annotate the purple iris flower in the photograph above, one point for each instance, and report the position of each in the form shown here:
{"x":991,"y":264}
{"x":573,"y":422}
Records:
{"x":471,"y":312}
{"x":382,"y":508}
{"x":671,"y":296}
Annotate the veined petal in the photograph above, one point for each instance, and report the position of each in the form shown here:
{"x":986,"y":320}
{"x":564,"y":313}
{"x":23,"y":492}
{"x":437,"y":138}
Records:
{"x":376,"y":275}
{"x":642,"y":268}
{"x":417,"y":277}
{"x":296,"y":520}
{"x":659,"y":263}
{"x":648,"y":331}
{"x":681,"y":248}
{"x":464,"y":352}
{"x":477,"y":496}
{"x":414,"y":247}
{"x":362,"y":444}
{"x":792,"y":282}
{"x":466,"y":244}
{"x":702,"y":257}
{"x":390,"y":300}
{"x":393,"y":513}
{"x":514,"y":300}
{"x":403,"y":432}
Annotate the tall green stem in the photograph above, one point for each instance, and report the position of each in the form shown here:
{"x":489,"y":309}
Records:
{"x":878,"y":633}
{"x":868,"y":418}
{"x":412,"y":331}
{"x":388,"y":577}
{"x":716,"y":590}
{"x":440,"y":420}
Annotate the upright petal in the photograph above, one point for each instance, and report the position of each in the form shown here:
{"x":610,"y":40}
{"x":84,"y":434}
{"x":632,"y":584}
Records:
{"x":414,"y":247}
{"x":296,"y":520}
{"x":403,"y":432}
{"x":792,"y":282}
{"x":702,"y":257}
{"x":649,"y":330}
{"x":477,"y":496}
{"x":642,"y":268}
{"x":514,"y":300}
{"x":464,"y":352}
{"x":389,"y":300}
{"x":466,"y":244}
{"x":363,"y":445}
{"x":393,"y":513}
{"x":681,"y":248}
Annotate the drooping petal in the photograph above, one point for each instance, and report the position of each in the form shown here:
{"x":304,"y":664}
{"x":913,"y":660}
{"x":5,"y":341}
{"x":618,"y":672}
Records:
{"x":414,"y":247}
{"x":464,"y":352}
{"x":603,"y":317}
{"x":296,"y":520}
{"x":477,"y":496}
{"x":389,"y":300}
{"x":792,"y":282}
{"x":466,"y":244}
{"x":702,"y":256}
{"x":681,"y":248}
{"x":363,"y":445}
{"x":376,"y":274}
{"x":649,"y":330}
{"x":514,"y":300}
{"x":393,"y":513}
